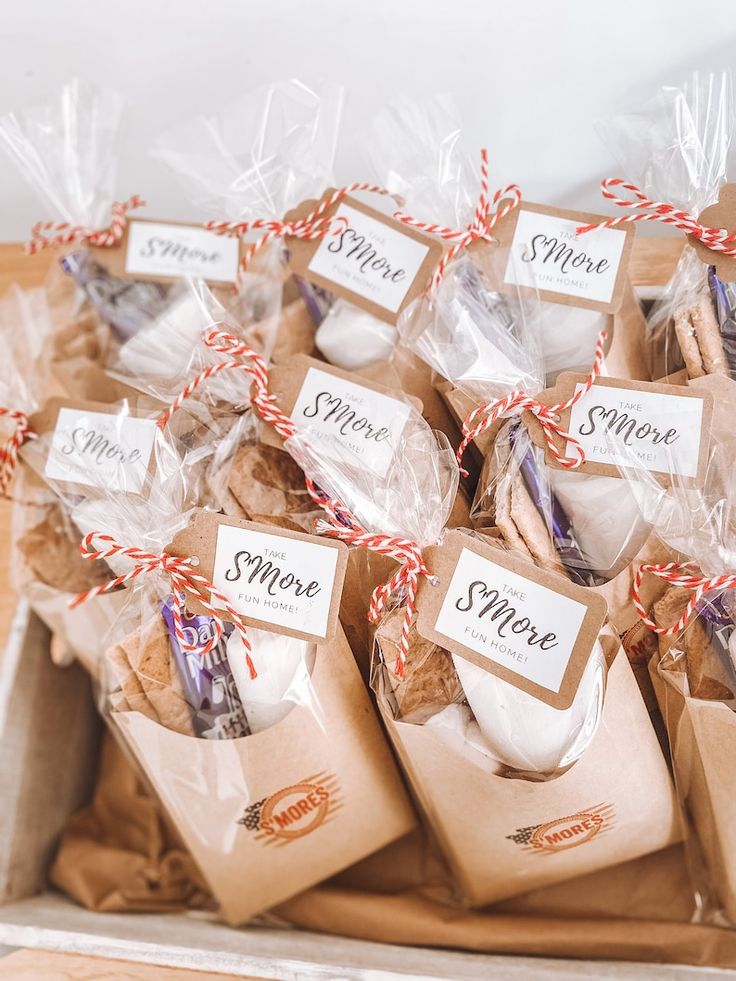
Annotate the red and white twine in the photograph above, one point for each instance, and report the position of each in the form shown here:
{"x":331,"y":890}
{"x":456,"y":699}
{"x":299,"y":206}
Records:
{"x":484,"y":220}
{"x":481,"y":418}
{"x":243,"y":358}
{"x":677,"y":574}
{"x":716,"y":239}
{"x":11,"y":446}
{"x":402,"y":585}
{"x":184,"y":579}
{"x":64,"y":233}
{"x":315,"y":225}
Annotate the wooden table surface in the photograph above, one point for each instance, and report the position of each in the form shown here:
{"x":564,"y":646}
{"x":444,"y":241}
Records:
{"x":652,"y":263}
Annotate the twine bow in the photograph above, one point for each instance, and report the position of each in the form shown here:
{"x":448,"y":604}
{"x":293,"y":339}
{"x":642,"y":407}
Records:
{"x":482,"y":417}
{"x":484,"y":220}
{"x":677,"y":574}
{"x":9,"y":449}
{"x":184,"y":579}
{"x":402,"y":585}
{"x":716,"y":239}
{"x":65,"y":233}
{"x":243,"y":358}
{"x":315,"y":225}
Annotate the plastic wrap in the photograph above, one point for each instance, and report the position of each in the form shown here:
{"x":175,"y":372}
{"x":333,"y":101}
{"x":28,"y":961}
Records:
{"x":255,"y":159}
{"x":411,"y":496}
{"x":189,"y":689}
{"x":564,"y":520}
{"x":675,"y":149}
{"x":68,"y":151}
{"x":688,"y":602}
{"x":418,"y":150}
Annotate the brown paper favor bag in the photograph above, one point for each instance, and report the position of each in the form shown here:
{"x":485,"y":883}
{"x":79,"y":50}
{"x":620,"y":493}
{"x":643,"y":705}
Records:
{"x":702,"y":737}
{"x":266,"y":816}
{"x":503,"y":837}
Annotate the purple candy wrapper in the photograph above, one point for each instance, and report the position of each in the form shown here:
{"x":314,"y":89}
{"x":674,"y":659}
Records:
{"x":125,"y":304}
{"x":555,"y":516}
{"x":318,"y":301}
{"x":717,"y":612}
{"x":723,"y":296}
{"x":208,"y":682}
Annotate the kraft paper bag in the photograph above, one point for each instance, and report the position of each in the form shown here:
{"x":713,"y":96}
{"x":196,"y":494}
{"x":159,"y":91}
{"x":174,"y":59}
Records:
{"x":702,"y":737}
{"x":267,"y":815}
{"x":503,"y":837}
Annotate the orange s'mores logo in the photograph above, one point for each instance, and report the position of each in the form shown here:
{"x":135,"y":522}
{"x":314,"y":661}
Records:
{"x":566,"y":832}
{"x":294,"y":811}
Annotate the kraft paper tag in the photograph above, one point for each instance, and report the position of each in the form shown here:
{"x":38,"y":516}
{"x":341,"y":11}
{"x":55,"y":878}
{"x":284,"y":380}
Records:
{"x":664,"y":429}
{"x":352,"y":419}
{"x":95,"y":444}
{"x":372,"y":260}
{"x":547,"y":256}
{"x":277,"y":580}
{"x":527,"y":626}
{"x":722,"y":214}
{"x":164,"y":251}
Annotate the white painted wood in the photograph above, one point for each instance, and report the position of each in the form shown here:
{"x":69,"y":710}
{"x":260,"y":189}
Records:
{"x":199,"y":943}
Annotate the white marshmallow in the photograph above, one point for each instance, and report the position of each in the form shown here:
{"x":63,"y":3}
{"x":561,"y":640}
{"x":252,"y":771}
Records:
{"x":605,"y":517}
{"x":567,"y":337}
{"x":283,"y":665}
{"x":351,"y":338}
{"x":525,"y":733}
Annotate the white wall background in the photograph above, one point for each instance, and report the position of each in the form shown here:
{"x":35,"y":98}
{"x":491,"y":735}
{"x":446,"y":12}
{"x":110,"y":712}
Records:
{"x":531,"y":76}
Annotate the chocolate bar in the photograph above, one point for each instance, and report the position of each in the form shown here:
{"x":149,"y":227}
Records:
{"x":208,"y":683}
{"x":125,"y":304}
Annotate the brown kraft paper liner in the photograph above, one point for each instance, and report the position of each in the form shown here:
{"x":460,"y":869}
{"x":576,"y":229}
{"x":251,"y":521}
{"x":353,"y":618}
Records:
{"x":117,"y":855}
{"x":236,"y":803}
{"x":702,"y":736}
{"x":616,"y":803}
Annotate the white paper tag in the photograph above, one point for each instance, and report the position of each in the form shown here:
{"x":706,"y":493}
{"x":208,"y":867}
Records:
{"x":160,"y":249}
{"x":101,"y":450}
{"x":349,"y":418}
{"x":655,"y":431}
{"x":287,"y":582}
{"x":548,"y":254}
{"x":515,"y":622}
{"x":370,"y":258}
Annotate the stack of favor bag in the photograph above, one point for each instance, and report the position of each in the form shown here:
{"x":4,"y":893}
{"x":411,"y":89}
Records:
{"x":373,"y":510}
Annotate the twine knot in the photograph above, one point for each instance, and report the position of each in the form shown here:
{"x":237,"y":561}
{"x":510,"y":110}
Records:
{"x":184,"y":580}
{"x":684,"y":574}
{"x":65,"y":233}
{"x":516,"y":402}
{"x":479,"y":228}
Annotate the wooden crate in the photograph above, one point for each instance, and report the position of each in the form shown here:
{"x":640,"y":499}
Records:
{"x":49,"y":735}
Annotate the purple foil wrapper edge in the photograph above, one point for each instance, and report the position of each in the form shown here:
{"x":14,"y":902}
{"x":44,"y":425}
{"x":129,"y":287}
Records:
{"x":317,"y":300}
{"x":561,"y":528}
{"x":125,"y":304}
{"x":208,"y":683}
{"x":723,"y":296}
